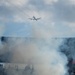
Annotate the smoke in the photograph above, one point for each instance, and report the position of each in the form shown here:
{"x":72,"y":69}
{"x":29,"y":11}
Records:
{"x":43,"y":54}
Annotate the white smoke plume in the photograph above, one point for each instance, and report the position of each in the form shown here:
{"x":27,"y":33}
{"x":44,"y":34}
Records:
{"x":43,"y":54}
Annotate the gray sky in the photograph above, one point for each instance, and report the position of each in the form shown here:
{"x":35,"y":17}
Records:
{"x":57,"y":18}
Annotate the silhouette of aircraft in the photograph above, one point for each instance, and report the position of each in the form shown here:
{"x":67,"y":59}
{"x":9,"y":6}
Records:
{"x":34,"y":18}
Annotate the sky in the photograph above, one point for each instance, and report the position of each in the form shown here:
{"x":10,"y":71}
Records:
{"x":57,"y":18}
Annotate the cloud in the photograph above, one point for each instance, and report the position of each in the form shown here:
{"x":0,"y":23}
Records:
{"x":61,"y":9}
{"x":72,"y":2}
{"x":21,"y":10}
{"x":10,"y":8}
{"x":50,"y":1}
{"x":64,"y":11}
{"x":9,"y":3}
{"x":52,"y":13}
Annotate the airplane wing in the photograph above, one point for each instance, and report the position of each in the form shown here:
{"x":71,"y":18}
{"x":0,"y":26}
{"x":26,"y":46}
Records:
{"x":38,"y":18}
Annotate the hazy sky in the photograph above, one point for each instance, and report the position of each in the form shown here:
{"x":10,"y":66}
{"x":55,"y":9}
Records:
{"x":57,"y":18}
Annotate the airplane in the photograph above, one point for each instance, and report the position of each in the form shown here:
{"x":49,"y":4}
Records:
{"x":34,"y":18}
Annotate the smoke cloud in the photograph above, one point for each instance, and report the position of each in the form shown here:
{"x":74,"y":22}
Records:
{"x":43,"y":54}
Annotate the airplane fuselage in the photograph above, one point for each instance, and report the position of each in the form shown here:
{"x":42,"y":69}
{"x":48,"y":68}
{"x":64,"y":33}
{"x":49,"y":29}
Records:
{"x":35,"y":18}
